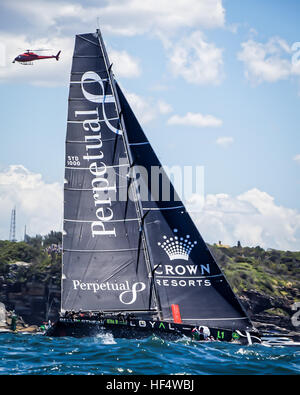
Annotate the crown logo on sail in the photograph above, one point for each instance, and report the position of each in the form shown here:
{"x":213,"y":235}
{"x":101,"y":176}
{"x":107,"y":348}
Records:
{"x":177,"y":247}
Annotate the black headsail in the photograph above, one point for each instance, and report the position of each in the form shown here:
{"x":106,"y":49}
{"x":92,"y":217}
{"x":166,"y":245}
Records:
{"x":191,"y":287}
{"x":105,"y":263}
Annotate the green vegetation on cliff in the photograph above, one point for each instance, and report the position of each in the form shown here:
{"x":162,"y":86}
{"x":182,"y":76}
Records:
{"x":269,"y":272}
{"x":39,"y":252}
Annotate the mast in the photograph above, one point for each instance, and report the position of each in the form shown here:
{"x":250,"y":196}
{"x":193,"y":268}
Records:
{"x":131,"y":162}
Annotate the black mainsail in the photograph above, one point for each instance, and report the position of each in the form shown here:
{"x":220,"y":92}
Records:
{"x":104,"y":262}
{"x":124,"y":249}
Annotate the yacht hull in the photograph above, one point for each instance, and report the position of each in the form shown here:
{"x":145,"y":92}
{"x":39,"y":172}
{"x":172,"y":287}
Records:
{"x":138,"y":329}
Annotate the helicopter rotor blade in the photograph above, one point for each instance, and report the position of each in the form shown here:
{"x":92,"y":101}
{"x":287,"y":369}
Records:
{"x":42,"y":49}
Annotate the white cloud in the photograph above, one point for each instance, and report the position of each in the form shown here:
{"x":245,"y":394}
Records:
{"x":269,"y":62}
{"x":163,"y":107}
{"x":253,"y":218}
{"x":196,"y":60}
{"x":38,"y":204}
{"x":143,"y":108}
{"x":225,"y":141}
{"x":124,"y":65}
{"x":126,"y":17}
{"x":43,"y":72}
{"x":296,"y":158}
{"x":195,"y":119}
{"x":146,"y":109}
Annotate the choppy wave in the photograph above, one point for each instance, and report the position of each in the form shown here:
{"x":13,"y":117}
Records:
{"x":22,"y":354}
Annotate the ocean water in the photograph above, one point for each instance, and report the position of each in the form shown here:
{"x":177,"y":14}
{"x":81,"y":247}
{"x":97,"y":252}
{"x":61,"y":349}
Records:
{"x":27,"y":354}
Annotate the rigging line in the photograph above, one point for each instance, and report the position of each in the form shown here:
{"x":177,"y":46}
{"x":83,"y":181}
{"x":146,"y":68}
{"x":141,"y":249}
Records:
{"x":140,"y":240}
{"x":128,"y":186}
{"x":151,"y":283}
{"x":115,"y":148}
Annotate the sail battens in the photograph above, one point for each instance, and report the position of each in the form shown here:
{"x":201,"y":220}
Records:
{"x":95,"y":251}
{"x":85,"y":142}
{"x":135,"y":144}
{"x":82,"y":72}
{"x":91,"y":221}
{"x":101,"y":98}
{"x":98,"y":120}
{"x":86,"y":82}
{"x":85,"y":56}
{"x":162,"y":208}
{"x":87,"y":168}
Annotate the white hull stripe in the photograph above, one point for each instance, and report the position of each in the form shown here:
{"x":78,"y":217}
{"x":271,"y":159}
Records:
{"x":214,"y":319}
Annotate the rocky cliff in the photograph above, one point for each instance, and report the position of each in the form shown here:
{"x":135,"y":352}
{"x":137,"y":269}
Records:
{"x":266,"y":282}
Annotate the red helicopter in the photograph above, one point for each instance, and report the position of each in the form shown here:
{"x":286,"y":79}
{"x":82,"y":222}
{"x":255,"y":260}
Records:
{"x":29,"y":56}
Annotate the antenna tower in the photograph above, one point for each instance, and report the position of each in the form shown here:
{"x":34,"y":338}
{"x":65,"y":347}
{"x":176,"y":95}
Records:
{"x":12,"y":231}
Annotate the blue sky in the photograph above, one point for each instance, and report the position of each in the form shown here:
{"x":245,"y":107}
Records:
{"x":214,"y":83}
